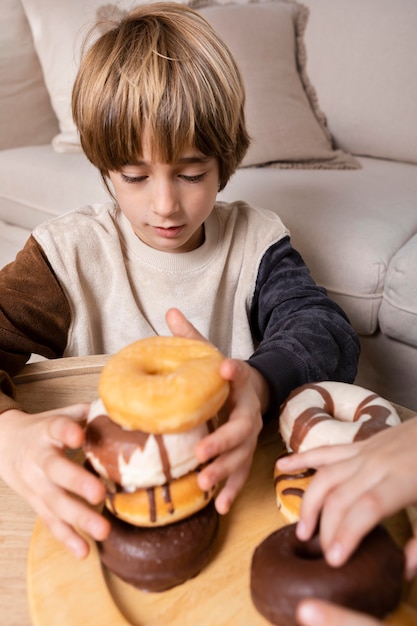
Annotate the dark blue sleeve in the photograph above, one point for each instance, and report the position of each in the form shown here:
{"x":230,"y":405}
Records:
{"x":303,"y":336}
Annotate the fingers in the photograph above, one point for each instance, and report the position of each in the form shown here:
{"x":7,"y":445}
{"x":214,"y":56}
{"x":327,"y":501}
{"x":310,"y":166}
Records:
{"x":181,"y":327}
{"x":411,"y":559}
{"x":316,"y":457}
{"x":73,"y":478}
{"x":231,"y":489}
{"x":351,"y":497}
{"x":320,"y":613}
{"x":64,"y":514}
{"x":232,"y":463}
{"x":322,"y":484}
{"x":349,"y":505}
{"x":59,"y":490}
{"x":65,"y":433}
{"x":233,"y":444}
{"x":67,"y":517}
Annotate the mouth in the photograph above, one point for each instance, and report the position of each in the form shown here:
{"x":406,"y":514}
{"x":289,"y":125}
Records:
{"x":168,"y":232}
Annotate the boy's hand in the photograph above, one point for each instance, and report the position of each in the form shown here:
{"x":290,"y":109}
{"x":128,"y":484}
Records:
{"x":34,"y":464}
{"x":233,"y":444}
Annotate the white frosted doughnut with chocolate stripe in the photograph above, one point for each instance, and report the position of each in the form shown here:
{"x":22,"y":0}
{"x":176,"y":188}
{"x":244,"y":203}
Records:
{"x":327,"y":413}
{"x":137,"y":460}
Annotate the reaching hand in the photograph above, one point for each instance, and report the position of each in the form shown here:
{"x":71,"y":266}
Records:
{"x":355,"y":487}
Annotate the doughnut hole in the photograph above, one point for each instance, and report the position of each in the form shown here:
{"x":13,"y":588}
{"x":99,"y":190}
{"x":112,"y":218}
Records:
{"x":309,"y":550}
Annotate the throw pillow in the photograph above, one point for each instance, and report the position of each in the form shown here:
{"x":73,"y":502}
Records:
{"x":283,"y":117}
{"x":22,"y":88}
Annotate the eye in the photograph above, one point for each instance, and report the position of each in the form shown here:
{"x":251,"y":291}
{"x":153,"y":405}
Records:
{"x":133,"y":179}
{"x":196,"y":178}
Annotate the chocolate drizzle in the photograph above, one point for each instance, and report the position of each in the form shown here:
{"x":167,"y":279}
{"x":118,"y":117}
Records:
{"x":163,"y":454}
{"x":151,"y":496}
{"x":378,"y":420}
{"x":293,"y":491}
{"x":299,"y":476}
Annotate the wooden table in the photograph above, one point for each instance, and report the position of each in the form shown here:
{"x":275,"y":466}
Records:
{"x":52,"y":384}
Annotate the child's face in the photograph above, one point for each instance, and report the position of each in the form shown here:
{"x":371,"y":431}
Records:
{"x":167,"y":204}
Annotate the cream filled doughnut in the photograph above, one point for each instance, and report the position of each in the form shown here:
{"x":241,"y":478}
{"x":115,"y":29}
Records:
{"x":135,"y":460}
{"x":327,"y":413}
{"x":163,"y":384}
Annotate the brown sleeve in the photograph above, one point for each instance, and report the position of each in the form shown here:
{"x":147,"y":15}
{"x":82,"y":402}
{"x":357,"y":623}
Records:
{"x":34,"y":314}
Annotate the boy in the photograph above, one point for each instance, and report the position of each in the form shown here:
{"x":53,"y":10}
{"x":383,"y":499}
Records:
{"x":159,"y":105}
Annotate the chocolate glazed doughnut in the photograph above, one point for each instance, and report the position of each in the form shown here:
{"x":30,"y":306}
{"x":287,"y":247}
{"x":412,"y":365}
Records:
{"x":156,"y":559}
{"x":285,"y":570}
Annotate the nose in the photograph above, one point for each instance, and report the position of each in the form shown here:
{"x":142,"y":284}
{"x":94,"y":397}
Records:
{"x":165,"y":201}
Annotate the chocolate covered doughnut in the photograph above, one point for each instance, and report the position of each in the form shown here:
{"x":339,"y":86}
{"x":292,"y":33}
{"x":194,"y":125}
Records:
{"x":285,"y":570}
{"x":156,"y":559}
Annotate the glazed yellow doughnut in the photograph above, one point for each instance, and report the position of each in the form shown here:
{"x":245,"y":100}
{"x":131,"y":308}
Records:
{"x":289,"y":490}
{"x":160,"y":505}
{"x":163,"y":384}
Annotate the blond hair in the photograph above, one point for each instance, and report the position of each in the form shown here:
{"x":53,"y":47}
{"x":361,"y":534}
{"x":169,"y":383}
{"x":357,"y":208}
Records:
{"x":164,"y":67}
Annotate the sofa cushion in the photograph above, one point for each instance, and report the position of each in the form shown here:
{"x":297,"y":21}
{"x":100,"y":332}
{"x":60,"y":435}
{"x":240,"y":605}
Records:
{"x":282,"y":109}
{"x":398,"y":313}
{"x":348,"y":224}
{"x":51,"y":184}
{"x":22,"y":88}
{"x":362,"y":61}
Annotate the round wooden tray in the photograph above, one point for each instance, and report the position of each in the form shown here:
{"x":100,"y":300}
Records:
{"x":66,"y":591}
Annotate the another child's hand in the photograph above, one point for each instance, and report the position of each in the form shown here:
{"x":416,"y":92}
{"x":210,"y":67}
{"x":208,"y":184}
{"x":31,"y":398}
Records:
{"x":231,"y":447}
{"x":319,"y":613}
{"x":357,"y":486}
{"x":34,"y":464}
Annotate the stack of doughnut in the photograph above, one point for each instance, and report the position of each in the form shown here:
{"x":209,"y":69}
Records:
{"x":158,"y":397}
{"x":285,"y":570}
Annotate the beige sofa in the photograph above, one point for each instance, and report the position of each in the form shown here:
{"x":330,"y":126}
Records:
{"x":332,"y":108}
